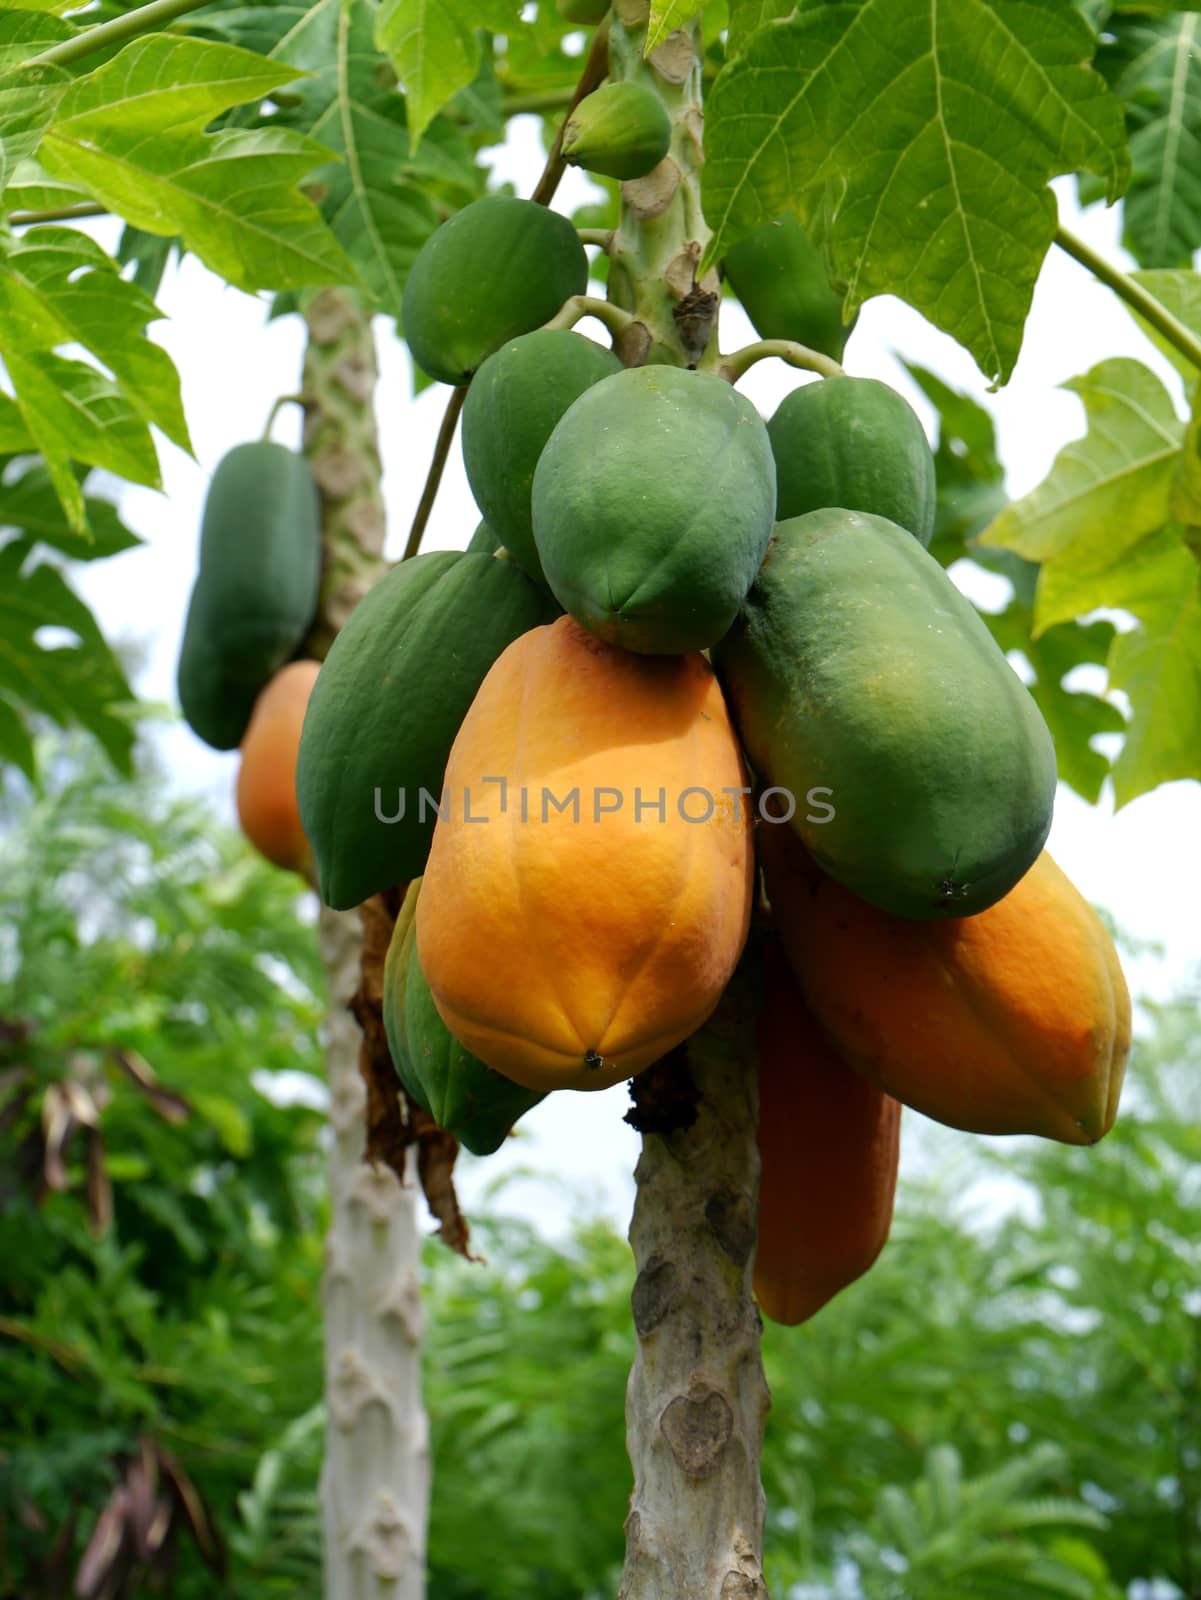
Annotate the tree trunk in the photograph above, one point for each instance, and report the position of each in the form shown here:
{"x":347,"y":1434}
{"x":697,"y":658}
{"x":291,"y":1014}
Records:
{"x":697,"y":1399}
{"x":375,"y":1480}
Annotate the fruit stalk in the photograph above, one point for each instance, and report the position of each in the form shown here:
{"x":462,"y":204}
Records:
{"x":697,"y":1400}
{"x":375,"y":1479}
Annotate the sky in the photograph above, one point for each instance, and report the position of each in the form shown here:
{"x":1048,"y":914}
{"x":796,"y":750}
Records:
{"x":1142,"y":865}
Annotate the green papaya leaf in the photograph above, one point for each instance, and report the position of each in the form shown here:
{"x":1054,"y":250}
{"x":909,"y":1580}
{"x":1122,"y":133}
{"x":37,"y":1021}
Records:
{"x":58,"y":288}
{"x":73,"y":678}
{"x":30,"y":507}
{"x":432,"y":44}
{"x":1109,"y":489}
{"x":1179,"y":292}
{"x":1186,"y":491}
{"x":131,"y":132}
{"x":866,"y":121}
{"x":381,"y":197}
{"x":667,"y":16}
{"x":1154,"y":66}
{"x":748,"y":16}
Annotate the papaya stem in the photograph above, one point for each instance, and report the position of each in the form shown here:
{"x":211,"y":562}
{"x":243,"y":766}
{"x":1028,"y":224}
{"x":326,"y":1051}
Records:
{"x":446,"y":433}
{"x":145,"y":19}
{"x":30,"y":219}
{"x":580,"y":306}
{"x":1136,"y":297}
{"x":277,"y":407}
{"x":596,"y":68}
{"x":739,"y":362}
{"x":600,"y":236}
{"x":517,"y":105}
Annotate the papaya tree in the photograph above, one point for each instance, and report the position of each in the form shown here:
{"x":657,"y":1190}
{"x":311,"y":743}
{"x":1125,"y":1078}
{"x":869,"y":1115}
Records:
{"x":599,"y":796}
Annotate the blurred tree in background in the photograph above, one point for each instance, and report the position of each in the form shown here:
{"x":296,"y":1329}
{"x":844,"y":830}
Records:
{"x":159,"y":1227}
{"x":1001,"y":1408}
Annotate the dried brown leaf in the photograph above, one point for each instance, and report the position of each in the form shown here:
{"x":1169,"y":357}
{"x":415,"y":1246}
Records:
{"x":11,"y":1076}
{"x":195,"y":1512}
{"x":437,"y":1152}
{"x":57,"y":1126}
{"x":388,"y":1131}
{"x":99,"y":1188}
{"x":170,"y":1106}
{"x":107,"y":1557}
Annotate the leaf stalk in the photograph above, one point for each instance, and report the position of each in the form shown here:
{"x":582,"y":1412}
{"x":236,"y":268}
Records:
{"x":1136,"y":297}
{"x":145,"y":19}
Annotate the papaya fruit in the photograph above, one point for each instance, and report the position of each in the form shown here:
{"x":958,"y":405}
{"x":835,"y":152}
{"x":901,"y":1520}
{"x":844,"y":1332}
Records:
{"x":585,"y":12}
{"x":829,"y":1144}
{"x":586,"y":915}
{"x":396,"y":972}
{"x":497,"y":268}
{"x":621,"y":130}
{"x":512,"y":407}
{"x":653,"y":504}
{"x":1013,"y":1021}
{"x":855,"y":443}
{"x":255,"y":593}
{"x":462,"y":1095}
{"x":915,"y":764}
{"x":780,"y":277}
{"x":266,"y":786}
{"x":386,"y":707}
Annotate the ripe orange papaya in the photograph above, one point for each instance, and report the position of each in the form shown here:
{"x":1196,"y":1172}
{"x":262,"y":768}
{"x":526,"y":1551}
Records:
{"x":588,"y":889}
{"x":1016,"y":1020}
{"x":266,"y":790}
{"x":829,"y":1143}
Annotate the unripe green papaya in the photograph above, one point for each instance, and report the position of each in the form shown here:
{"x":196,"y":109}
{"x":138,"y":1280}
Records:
{"x":653,"y":504}
{"x":396,"y":968}
{"x":867,"y":688}
{"x":781,"y":279}
{"x":513,"y":405}
{"x":855,"y":443}
{"x":386,"y":706}
{"x":622,"y":130}
{"x":255,"y":593}
{"x":497,"y":268}
{"x":585,"y":12}
{"x":462,"y":1094}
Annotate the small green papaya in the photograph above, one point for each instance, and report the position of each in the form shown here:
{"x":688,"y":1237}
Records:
{"x":386,"y":706}
{"x":869,"y":691}
{"x":855,"y":443}
{"x":653,"y":503}
{"x":256,"y":589}
{"x":781,"y":279}
{"x":513,"y":405}
{"x":585,"y":12}
{"x":622,"y":130}
{"x":396,"y":968}
{"x":497,"y":268}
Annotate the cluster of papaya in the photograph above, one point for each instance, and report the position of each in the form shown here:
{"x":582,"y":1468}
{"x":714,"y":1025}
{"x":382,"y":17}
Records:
{"x":242,"y":681}
{"x":683,"y":638}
